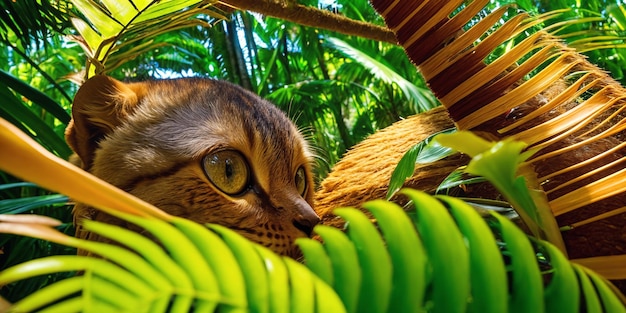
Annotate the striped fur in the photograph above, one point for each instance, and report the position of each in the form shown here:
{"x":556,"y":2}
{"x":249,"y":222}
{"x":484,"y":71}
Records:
{"x":149,"y":139}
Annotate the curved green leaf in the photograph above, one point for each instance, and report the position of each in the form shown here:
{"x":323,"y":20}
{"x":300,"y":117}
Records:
{"x":252,"y":267}
{"x":407,"y":256}
{"x":326,"y":299}
{"x":345,"y":264}
{"x":302,"y":295}
{"x":563,"y":288}
{"x":176,"y":277}
{"x":376,"y":287}
{"x":316,"y":259}
{"x":420,"y":96}
{"x":488,"y":274}
{"x":188,"y":257}
{"x":25,"y":204}
{"x":526,"y":280}
{"x":117,"y":276}
{"x":42,"y":297}
{"x":20,"y":115}
{"x":451,"y":284}
{"x":278,"y":280}
{"x":221,"y":260}
{"x":426,"y":151}
{"x":610,"y":302}
{"x":36,"y":96}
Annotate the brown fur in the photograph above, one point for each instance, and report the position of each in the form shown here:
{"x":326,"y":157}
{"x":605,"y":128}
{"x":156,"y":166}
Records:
{"x":149,"y":139}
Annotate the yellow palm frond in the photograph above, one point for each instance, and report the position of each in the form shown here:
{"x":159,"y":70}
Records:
{"x":29,"y":160}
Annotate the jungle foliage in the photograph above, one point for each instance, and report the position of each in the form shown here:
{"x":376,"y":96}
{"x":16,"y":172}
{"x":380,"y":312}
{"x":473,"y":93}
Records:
{"x":338,"y":88}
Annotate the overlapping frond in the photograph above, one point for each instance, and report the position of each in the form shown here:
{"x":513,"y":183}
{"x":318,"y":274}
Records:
{"x":443,"y":254}
{"x":193,"y":269}
{"x":569,"y":110}
{"x":112,"y":32}
{"x":443,"y":257}
{"x":23,"y":21}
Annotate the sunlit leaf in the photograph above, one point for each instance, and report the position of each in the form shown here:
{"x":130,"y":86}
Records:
{"x":102,"y":21}
{"x":413,"y":93}
{"x":502,"y":164}
{"x":457,"y":178}
{"x":426,"y":151}
{"x":114,"y":22}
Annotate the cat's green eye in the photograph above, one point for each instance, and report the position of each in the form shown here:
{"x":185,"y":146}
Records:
{"x":301,"y":181}
{"x":227,"y":170}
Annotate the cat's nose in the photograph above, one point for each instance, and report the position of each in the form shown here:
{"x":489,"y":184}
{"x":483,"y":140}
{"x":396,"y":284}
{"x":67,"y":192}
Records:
{"x":305,"y":222}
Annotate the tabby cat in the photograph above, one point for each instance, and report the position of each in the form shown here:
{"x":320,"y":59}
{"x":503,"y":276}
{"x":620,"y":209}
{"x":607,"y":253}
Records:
{"x":202,"y":149}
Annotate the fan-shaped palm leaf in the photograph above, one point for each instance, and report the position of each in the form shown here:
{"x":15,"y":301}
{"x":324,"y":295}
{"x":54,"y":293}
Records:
{"x":28,"y":20}
{"x":581,"y":110}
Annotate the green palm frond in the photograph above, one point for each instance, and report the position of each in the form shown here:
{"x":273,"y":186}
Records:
{"x":113,"y":32}
{"x":421,"y":98}
{"x":23,"y":21}
{"x":439,"y":260}
{"x":194,"y":269}
{"x":448,"y":258}
{"x":443,"y":257}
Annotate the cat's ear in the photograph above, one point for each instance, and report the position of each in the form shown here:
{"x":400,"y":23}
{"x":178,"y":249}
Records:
{"x":101,"y":104}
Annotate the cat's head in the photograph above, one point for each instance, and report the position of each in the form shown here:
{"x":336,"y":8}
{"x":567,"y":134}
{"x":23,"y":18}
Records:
{"x":202,"y":149}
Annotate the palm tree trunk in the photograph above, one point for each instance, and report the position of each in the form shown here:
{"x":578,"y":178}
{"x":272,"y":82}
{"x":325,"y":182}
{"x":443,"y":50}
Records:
{"x":251,"y":47}
{"x":236,"y":56}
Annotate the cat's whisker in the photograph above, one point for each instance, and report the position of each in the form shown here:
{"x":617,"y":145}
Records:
{"x":202,"y":149}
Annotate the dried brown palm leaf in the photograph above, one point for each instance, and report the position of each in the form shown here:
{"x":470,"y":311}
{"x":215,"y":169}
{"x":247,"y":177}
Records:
{"x":541,"y":92}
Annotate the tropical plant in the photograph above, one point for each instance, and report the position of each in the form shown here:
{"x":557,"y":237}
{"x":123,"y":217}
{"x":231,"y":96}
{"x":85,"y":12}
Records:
{"x":44,"y":115}
{"x":481,"y":91}
{"x":502,"y":163}
{"x":595,"y":28}
{"x":448,"y":259}
{"x":342,"y":110}
{"x":32,"y":57}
